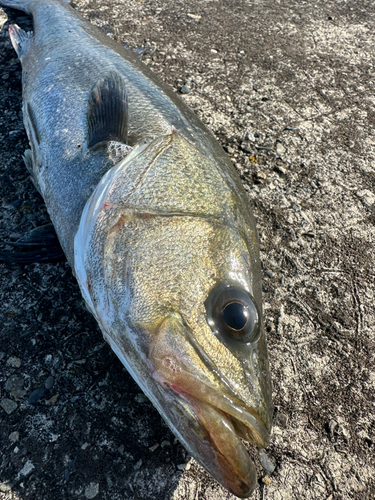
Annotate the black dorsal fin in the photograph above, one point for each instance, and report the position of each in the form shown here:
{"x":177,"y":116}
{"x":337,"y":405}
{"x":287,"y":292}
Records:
{"x":107,"y":111}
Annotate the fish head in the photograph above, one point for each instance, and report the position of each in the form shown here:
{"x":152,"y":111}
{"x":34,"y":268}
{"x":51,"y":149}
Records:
{"x":178,"y":298}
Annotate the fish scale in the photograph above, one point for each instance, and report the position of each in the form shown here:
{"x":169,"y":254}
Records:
{"x":161,"y":243}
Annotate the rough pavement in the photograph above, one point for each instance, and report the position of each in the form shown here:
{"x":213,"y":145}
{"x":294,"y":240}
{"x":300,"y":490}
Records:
{"x":288,"y":89}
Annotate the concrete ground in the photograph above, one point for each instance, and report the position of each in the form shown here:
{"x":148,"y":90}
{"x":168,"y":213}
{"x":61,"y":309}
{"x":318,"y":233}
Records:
{"x":287,"y":87}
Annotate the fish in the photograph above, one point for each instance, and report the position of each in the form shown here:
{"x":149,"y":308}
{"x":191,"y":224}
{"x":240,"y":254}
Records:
{"x":157,"y":228}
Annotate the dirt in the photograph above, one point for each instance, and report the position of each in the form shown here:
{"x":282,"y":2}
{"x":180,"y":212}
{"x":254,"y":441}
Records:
{"x":287,"y":88}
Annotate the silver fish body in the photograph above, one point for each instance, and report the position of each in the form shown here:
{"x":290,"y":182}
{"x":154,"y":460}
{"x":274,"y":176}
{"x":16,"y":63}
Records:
{"x":156,"y":225}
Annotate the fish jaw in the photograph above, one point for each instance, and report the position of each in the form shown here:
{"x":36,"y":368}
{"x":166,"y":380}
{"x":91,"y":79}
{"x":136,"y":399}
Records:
{"x":208,"y":420}
{"x":213,"y":414}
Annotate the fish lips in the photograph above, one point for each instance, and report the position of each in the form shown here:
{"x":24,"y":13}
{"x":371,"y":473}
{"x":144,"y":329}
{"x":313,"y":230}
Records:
{"x":209,"y":420}
{"x":213,"y":434}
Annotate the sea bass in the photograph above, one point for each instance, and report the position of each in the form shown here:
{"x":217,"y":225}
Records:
{"x":157,"y":227}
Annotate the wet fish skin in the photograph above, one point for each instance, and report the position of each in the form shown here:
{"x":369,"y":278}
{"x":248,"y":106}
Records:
{"x":151,"y":238}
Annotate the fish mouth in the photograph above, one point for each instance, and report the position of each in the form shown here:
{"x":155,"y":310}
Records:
{"x":210,"y":420}
{"x":222,"y":422}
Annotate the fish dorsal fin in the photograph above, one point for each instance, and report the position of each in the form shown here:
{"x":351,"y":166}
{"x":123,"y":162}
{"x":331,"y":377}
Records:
{"x":107,"y":111}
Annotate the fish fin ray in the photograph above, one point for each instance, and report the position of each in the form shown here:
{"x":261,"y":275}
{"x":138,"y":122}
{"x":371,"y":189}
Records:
{"x":31,"y":125}
{"x":28,"y":161}
{"x":38,"y":245}
{"x":20,"y":39}
{"x":107,"y":111}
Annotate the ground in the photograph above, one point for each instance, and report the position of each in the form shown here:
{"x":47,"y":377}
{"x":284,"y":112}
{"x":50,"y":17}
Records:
{"x":287,"y":88}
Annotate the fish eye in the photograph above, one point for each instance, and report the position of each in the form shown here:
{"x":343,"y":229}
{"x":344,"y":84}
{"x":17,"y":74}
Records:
{"x":232,"y":311}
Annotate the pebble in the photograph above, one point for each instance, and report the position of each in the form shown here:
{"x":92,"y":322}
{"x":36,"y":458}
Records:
{"x":48,"y":384}
{"x":165,"y":443}
{"x":14,"y":385}
{"x":138,"y":465}
{"x":281,"y":170}
{"x":184,"y":466}
{"x":92,"y":490}
{"x":266,"y":480}
{"x":14,"y":436}
{"x":269,"y":274}
{"x":246,"y":147}
{"x":26,"y":469}
{"x":14,"y":362}
{"x":8,"y":405}
{"x":141,"y":398}
{"x":36,"y":396}
{"x":261,"y":176}
{"x":282,"y":419}
{"x":266,"y":462}
{"x":121,"y":449}
{"x":53,"y":400}
{"x":185,"y":89}
{"x":4,"y":488}
{"x":280,"y":149}
{"x":332,"y":426}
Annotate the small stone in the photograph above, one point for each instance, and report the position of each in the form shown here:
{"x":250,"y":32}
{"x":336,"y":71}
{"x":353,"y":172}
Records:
{"x":14,"y":436}
{"x":121,"y":449}
{"x":269,"y":274}
{"x":8,"y":405}
{"x":26,"y":469}
{"x":153,"y":448}
{"x":245,"y":146}
{"x":281,"y":170}
{"x":138,"y":465}
{"x":165,"y":443}
{"x":141,"y":398}
{"x":92,"y":490}
{"x":266,"y":462}
{"x":261,"y":176}
{"x":48,"y":384}
{"x":14,"y":362}
{"x":4,"y":488}
{"x":184,"y":466}
{"x":14,"y":385}
{"x":332,"y":426}
{"x":36,"y":396}
{"x":280,"y":149}
{"x":185,"y":89}
{"x":282,"y":419}
{"x":52,"y":400}
{"x":194,"y":16}
{"x":266,"y":480}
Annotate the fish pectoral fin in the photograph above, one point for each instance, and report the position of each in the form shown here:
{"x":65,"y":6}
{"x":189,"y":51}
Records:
{"x":107,"y":112}
{"x":20,"y":40}
{"x":38,"y":245}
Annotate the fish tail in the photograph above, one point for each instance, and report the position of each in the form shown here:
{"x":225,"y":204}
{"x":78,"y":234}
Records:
{"x":26,"y":5}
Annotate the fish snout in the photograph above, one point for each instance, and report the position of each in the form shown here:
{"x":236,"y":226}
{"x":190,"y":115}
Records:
{"x":215,"y":421}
